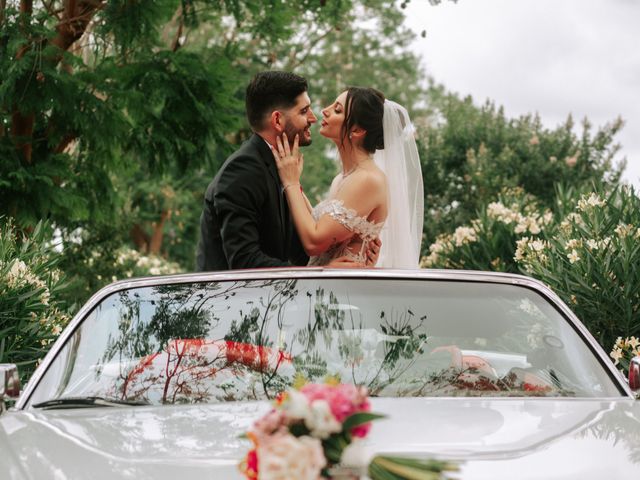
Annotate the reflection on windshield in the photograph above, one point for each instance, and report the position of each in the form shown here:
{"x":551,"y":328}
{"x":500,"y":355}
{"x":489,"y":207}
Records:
{"x":228,"y":341}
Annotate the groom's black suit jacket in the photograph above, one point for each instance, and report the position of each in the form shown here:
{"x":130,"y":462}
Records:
{"x":245,"y":221}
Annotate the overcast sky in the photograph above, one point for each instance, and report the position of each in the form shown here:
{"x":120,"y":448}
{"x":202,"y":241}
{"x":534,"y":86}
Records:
{"x":551,"y":56}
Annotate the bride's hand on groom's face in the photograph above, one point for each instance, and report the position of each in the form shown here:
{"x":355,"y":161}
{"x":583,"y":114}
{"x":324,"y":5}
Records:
{"x":289,"y":160}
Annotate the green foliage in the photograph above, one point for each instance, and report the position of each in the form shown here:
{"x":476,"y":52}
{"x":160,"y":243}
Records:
{"x":325,"y":54}
{"x":390,"y":467}
{"x":586,"y":252}
{"x":93,"y":259}
{"x":590,"y":260}
{"x":128,"y":94}
{"x":32,"y":314}
{"x":489,"y":242}
{"x":471,"y":153}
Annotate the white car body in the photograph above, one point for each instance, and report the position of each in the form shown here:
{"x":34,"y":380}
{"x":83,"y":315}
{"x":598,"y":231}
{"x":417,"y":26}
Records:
{"x":491,"y":437}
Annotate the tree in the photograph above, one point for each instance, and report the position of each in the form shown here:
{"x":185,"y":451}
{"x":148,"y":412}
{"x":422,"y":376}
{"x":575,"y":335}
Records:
{"x":472,"y":152}
{"x":106,"y":112}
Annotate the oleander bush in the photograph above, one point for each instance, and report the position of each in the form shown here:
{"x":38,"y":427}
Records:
{"x":587,"y":251}
{"x":591,"y":260}
{"x":96,"y":258}
{"x":32,"y":313}
{"x":489,"y":241}
{"x":470,"y":152}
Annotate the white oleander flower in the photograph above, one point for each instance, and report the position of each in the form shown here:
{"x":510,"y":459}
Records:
{"x":45,"y":296}
{"x":616,"y":354}
{"x":521,"y":249}
{"x":633,"y":342}
{"x":573,"y":256}
{"x":538,"y":245}
{"x":624,"y":230}
{"x":464,"y":235}
{"x":592,"y":244}
{"x":572,"y":244}
{"x":285,"y":457}
{"x":592,"y":201}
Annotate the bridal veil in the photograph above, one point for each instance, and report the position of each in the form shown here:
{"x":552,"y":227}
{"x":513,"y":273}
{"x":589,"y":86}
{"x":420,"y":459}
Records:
{"x":401,"y":235}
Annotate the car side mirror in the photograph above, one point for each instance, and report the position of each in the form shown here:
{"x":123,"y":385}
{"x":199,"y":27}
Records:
{"x":634,"y":374}
{"x":9,"y":383}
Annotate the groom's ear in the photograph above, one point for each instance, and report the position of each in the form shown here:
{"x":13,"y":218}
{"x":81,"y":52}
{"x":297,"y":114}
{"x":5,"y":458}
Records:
{"x":277,"y":121}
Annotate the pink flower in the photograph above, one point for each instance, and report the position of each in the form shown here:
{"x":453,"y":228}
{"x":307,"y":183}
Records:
{"x":344,"y":400}
{"x":270,"y":423}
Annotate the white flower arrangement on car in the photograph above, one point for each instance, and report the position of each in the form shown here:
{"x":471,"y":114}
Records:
{"x":316,"y":432}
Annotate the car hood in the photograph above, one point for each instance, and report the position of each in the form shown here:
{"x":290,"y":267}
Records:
{"x":491,"y":438}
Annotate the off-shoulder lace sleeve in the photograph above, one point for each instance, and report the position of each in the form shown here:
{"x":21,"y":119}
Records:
{"x":348,"y":218}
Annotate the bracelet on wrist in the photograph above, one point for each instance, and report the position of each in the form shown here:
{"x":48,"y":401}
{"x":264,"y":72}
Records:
{"x":284,"y":189}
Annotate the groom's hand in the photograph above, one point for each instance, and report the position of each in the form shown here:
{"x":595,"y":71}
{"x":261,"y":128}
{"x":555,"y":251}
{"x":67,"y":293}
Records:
{"x":373,"y":252}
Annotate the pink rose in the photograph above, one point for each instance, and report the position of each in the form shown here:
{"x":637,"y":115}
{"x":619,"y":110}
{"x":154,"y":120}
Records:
{"x":344,"y":400}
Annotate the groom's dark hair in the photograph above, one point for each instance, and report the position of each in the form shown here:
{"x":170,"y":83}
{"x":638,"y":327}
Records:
{"x":269,"y":91}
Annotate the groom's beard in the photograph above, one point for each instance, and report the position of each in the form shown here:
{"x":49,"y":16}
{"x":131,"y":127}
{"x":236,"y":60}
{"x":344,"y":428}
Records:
{"x":305,"y":134}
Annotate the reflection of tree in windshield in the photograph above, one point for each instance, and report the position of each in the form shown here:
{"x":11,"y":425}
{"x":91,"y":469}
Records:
{"x":166,"y":356}
{"x":231,"y":341}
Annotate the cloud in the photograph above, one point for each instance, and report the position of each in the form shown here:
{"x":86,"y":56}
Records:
{"x":556,"y":58}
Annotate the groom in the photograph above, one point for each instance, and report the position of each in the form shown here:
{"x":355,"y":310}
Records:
{"x":245,"y":221}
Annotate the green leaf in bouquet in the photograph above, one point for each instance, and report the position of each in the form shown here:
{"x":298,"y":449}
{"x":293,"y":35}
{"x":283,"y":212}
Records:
{"x":384,"y":467}
{"x":358,"y":419}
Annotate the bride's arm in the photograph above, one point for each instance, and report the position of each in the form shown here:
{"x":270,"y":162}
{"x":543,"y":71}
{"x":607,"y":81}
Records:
{"x":360,"y":194}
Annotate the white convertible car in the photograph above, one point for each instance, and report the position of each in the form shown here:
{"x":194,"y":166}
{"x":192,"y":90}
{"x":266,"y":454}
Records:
{"x":156,"y":378}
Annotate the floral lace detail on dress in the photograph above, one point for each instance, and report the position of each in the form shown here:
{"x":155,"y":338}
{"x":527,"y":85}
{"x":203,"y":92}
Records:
{"x":363,"y":228}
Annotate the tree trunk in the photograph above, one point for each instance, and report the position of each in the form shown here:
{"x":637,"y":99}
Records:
{"x":158,"y":232}
{"x":22,"y":123}
{"x":76,"y":16}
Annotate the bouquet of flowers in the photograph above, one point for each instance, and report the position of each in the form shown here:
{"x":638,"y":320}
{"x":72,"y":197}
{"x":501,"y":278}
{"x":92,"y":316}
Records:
{"x":315,"y":432}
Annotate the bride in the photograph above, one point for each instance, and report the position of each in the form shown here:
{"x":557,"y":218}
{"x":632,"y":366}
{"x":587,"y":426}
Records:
{"x":379,"y":192}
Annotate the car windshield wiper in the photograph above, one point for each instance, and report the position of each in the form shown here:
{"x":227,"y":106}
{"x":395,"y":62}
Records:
{"x":87,"y":402}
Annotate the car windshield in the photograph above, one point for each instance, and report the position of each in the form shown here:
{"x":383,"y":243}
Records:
{"x":248,"y":340}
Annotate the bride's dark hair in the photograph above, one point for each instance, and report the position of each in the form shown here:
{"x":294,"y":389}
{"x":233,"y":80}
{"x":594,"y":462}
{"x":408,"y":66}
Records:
{"x":365,"y":108}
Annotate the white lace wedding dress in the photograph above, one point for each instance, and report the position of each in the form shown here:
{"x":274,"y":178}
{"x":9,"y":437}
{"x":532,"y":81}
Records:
{"x":401,"y":232}
{"x":364,"y":232}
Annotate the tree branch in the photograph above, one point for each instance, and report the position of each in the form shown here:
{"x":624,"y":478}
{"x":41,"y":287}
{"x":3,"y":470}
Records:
{"x":155,"y":244}
{"x":74,"y":23}
{"x":140,"y":238}
{"x":293,"y":65}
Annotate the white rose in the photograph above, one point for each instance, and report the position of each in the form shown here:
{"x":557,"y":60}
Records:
{"x":296,"y":406}
{"x":320,"y":421}
{"x":285,"y":457}
{"x":356,"y":455}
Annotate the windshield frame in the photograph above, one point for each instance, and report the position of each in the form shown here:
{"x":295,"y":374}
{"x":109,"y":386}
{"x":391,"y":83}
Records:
{"x":328,"y":274}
